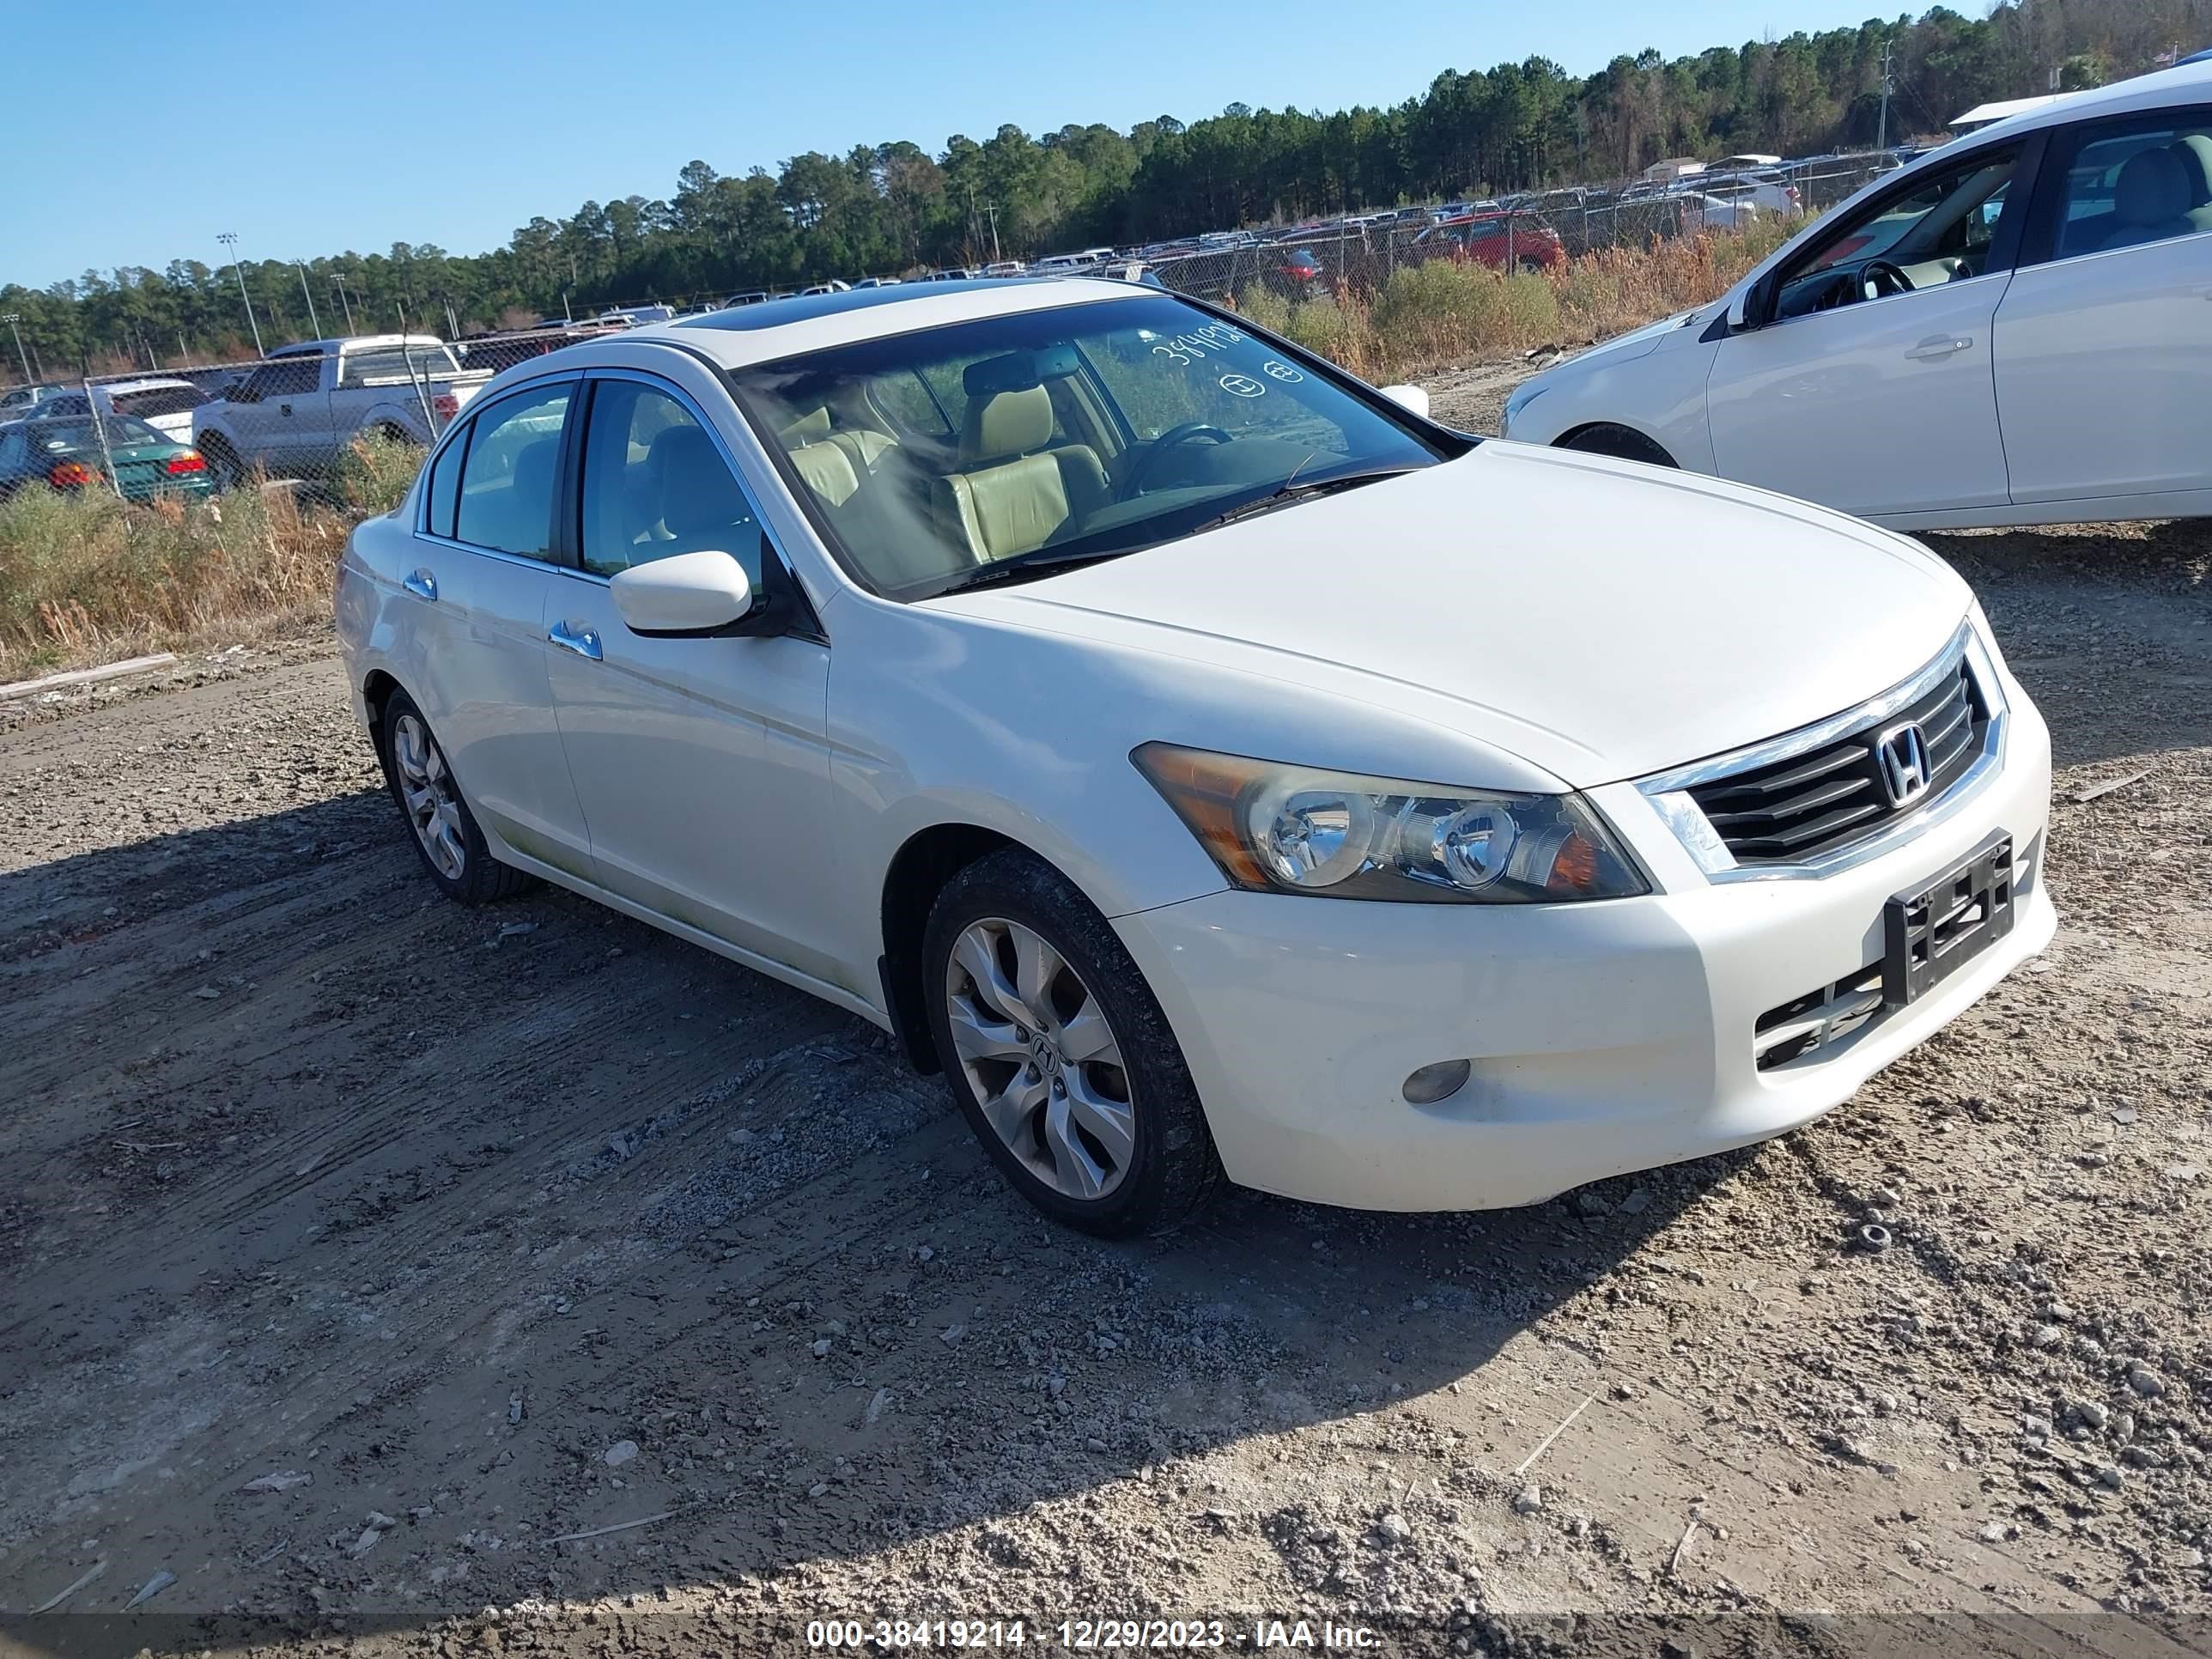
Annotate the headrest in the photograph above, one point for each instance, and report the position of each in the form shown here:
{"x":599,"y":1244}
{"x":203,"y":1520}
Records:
{"x":1017,"y":371}
{"x":806,"y":429}
{"x":827,"y":472}
{"x":2194,"y":152}
{"x":2152,"y":188}
{"x":698,"y":496}
{"x":531,"y":475}
{"x":1006,"y":424}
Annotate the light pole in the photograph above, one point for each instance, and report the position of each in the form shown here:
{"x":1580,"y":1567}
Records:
{"x":229,"y":239}
{"x":314,"y":324}
{"x":337,"y":281}
{"x":11,"y":318}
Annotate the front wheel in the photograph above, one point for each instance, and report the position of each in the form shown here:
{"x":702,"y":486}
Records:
{"x":1058,"y":1056}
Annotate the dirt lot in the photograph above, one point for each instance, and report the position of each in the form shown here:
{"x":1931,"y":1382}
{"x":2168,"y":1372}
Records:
{"x":469,"y":1232}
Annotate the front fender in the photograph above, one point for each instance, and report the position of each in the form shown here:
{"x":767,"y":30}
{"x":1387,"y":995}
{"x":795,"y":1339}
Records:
{"x":1659,"y":392}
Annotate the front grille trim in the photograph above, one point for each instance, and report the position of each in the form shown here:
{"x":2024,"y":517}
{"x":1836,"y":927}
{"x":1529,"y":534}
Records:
{"x":1850,"y":836}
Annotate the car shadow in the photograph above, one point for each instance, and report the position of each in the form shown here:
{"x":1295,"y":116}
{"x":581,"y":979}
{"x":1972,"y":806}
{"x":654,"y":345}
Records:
{"x":320,"y":1175}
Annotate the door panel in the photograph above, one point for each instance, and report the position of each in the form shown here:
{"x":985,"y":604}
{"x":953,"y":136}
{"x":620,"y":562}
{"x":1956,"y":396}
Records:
{"x":2102,"y":367}
{"x":701,"y":764}
{"x":482,"y":610}
{"x":483,"y":685}
{"x":702,"y":770}
{"x":1885,"y":406}
{"x":2104,"y":343}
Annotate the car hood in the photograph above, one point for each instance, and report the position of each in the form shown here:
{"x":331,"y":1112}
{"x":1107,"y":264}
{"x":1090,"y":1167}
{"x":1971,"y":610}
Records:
{"x":1599,"y":619}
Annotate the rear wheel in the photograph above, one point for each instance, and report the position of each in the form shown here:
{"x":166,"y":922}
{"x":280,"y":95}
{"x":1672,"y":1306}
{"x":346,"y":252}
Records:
{"x":1058,"y":1056}
{"x":453,"y":848}
{"x":1623,"y":443}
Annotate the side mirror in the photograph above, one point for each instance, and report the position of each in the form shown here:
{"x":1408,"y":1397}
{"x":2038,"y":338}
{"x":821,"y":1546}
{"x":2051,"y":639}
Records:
{"x":692,"y":595}
{"x":1739,"y":312}
{"x":1409,"y":397}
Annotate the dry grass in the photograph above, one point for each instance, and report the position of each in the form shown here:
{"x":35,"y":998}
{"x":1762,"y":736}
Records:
{"x":87,"y":578}
{"x":1442,"y":310}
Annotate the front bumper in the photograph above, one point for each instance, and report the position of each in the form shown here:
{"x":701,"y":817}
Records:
{"x":1605,"y":1037}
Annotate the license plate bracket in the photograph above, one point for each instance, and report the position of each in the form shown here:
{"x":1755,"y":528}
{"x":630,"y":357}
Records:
{"x":1931,"y":931}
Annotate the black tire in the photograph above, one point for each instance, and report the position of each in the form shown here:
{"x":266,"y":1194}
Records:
{"x":1172,"y":1171}
{"x":481,"y":878}
{"x":1622,"y":443}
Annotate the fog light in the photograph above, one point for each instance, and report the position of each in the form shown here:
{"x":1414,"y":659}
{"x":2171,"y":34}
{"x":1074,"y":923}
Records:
{"x":1433,"y":1083}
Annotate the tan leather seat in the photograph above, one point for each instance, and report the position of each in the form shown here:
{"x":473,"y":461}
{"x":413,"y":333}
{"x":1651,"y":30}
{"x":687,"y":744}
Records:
{"x":2151,"y":200}
{"x":1015,"y":491}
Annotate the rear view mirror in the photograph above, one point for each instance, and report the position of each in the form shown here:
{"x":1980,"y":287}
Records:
{"x":687,"y":593}
{"x":1409,"y":397}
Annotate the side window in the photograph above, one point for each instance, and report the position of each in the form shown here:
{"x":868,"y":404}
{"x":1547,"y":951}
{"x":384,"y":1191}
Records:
{"x":445,"y":486}
{"x":2147,"y":179}
{"x":1940,"y":230}
{"x":508,"y":476}
{"x":295,"y":377}
{"x":247,"y":391}
{"x":902,"y":395}
{"x":655,"y":484}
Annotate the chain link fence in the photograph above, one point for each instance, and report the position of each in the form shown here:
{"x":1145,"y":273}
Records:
{"x":1538,"y":232}
{"x":343,"y":421}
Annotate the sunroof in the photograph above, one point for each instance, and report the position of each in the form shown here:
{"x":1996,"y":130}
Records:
{"x":802,"y":308}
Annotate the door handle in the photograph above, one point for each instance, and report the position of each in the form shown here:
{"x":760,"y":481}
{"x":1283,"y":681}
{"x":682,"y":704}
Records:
{"x":1936,"y":347}
{"x":423,"y":585}
{"x":283,"y":409}
{"x":584,"y":641}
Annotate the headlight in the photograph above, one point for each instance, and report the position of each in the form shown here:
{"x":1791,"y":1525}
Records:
{"x":1293,"y":830}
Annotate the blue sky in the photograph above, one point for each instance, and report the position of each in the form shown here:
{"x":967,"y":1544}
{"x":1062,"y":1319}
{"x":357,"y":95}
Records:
{"x":309,"y":130}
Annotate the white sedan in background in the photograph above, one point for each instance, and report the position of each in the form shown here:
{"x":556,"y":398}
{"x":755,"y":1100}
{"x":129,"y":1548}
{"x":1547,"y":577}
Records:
{"x":1211,"y":764}
{"x":2014,"y":329}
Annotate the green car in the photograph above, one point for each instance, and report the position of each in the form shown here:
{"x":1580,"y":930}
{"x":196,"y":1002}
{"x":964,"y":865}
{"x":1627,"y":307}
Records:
{"x":67,"y":454}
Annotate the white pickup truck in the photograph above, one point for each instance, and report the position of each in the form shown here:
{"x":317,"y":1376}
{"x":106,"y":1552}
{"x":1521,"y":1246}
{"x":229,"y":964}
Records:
{"x":295,"y":413}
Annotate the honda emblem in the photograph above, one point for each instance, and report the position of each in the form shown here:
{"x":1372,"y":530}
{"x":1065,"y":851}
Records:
{"x":1902,"y":756}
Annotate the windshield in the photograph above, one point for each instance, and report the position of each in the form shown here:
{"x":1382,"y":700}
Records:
{"x":1087,"y":430}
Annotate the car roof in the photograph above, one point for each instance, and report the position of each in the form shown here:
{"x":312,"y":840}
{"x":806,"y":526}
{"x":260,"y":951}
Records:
{"x":151,"y":383}
{"x":2184,"y":83}
{"x":813,"y":322}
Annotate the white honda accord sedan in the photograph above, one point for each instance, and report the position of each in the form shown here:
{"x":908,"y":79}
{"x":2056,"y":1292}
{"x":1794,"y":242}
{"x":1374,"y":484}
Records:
{"x":1214,"y":767}
{"x":2011,"y":331}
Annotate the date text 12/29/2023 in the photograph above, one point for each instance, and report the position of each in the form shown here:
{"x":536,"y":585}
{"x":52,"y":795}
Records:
{"x":1086,"y":1635}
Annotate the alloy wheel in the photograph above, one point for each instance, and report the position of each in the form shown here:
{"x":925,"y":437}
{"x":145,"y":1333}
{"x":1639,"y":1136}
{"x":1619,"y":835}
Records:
{"x":1046,"y":1066}
{"x":426,"y":789}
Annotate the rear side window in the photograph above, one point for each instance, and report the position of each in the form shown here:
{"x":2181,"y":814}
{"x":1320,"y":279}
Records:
{"x":394,"y":365}
{"x":2145,"y":179}
{"x":162,"y":400}
{"x":510,"y":472}
{"x":444,"y":491}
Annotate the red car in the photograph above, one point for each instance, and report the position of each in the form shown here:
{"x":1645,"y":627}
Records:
{"x":1303,"y":266}
{"x":1503,"y":241}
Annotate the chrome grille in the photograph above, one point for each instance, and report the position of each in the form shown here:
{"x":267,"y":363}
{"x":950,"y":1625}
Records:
{"x":1807,"y":804}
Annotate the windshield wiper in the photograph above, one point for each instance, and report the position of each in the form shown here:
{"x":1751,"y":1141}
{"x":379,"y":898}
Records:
{"x":1028,"y":567}
{"x":1290,"y":490}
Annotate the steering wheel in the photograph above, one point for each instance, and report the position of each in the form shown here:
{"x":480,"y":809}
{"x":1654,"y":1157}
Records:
{"x":1147,"y":463}
{"x":1882,"y":278}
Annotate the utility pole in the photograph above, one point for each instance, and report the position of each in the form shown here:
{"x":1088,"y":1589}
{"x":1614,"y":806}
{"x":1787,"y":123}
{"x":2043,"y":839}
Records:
{"x":992,"y":208}
{"x":1882,"y":138}
{"x":338,"y":282}
{"x":11,"y":318}
{"x":314,"y":324}
{"x":229,"y":239}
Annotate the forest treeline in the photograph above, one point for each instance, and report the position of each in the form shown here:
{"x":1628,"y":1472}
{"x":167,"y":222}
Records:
{"x":892,"y":207}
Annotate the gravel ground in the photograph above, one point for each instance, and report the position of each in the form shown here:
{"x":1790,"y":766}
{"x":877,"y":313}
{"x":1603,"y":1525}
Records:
{"x":360,"y":1249}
